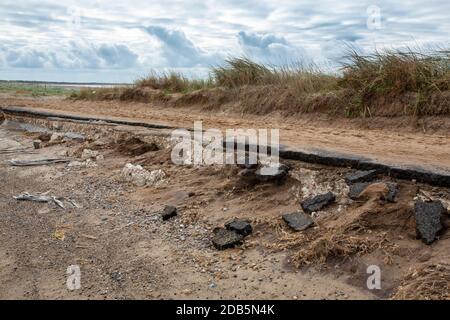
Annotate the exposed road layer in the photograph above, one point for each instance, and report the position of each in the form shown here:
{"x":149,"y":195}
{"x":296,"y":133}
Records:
{"x":426,"y":169}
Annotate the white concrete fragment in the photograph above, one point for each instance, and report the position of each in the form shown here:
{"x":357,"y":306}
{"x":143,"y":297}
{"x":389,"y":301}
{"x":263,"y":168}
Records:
{"x":141,"y":177}
{"x":89,"y":154}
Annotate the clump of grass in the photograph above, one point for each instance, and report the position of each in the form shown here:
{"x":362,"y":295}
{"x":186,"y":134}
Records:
{"x":430,"y":282}
{"x":238,"y":72}
{"x":172,"y":82}
{"x":396,"y":72}
{"x":242,"y":71}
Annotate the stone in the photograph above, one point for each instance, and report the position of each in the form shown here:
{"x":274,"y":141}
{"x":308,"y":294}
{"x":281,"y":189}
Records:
{"x":37,"y":144}
{"x":89,"y":154}
{"x":298,"y":221}
{"x":225,"y":239}
{"x":56,"y":138}
{"x":428,"y":217}
{"x":168,"y":212}
{"x":358,"y":190}
{"x":141,"y":177}
{"x":360,"y":176}
{"x":317,"y":203}
{"x":240,"y":226}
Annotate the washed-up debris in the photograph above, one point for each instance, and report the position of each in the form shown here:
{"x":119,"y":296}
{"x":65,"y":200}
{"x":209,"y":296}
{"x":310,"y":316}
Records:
{"x":428,"y":220}
{"x":298,"y":221}
{"x":385,"y":190}
{"x":44,"y":198}
{"x":37,"y":144}
{"x":317,"y":203}
{"x":168,"y":212}
{"x":141,"y":177}
{"x":225,"y":239}
{"x":37,"y":162}
{"x":240,"y":226}
{"x":360,"y":176}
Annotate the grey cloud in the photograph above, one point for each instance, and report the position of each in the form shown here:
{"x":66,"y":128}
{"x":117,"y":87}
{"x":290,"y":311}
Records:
{"x":269,"y":48}
{"x":178,"y":50}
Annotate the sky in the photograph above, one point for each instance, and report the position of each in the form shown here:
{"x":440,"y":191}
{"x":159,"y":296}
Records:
{"x":123,"y":40}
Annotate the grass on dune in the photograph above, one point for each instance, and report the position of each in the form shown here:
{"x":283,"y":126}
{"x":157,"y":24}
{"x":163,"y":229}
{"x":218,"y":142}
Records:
{"x":412,"y":82}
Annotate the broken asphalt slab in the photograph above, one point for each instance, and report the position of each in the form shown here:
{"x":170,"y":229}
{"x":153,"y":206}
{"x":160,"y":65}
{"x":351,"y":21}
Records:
{"x":226,"y":239}
{"x":356,"y":189}
{"x":240,"y":226}
{"x":428,"y":219}
{"x":298,"y":221}
{"x":360,"y":176}
{"x":317,"y":203}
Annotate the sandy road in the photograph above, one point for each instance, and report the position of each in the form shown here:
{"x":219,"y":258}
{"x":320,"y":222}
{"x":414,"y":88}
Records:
{"x":397,"y":144}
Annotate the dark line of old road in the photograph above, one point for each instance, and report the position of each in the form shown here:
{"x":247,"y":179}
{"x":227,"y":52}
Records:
{"x":432,"y":176}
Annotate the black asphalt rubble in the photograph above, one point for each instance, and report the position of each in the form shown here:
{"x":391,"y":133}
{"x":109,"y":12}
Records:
{"x":225,"y":239}
{"x":317,"y":203}
{"x":240,"y":226}
{"x":298,"y":221}
{"x":253,"y":175}
{"x":360,"y":176}
{"x":168,"y":212}
{"x":357,"y":188}
{"x":428,"y":220}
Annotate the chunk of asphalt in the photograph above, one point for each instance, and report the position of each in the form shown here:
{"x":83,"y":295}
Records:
{"x":393,"y":190}
{"x":276,"y":174}
{"x":316,"y":203}
{"x":360,"y":176}
{"x":168,"y":212}
{"x":225,"y":239}
{"x":240,"y":226}
{"x":428,"y":219}
{"x":357,"y":188}
{"x":298,"y":221}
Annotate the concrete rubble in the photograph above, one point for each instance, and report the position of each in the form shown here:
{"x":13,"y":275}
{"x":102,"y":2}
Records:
{"x":141,"y":177}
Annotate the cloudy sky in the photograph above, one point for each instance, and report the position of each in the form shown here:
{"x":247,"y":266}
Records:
{"x":119,"y":41}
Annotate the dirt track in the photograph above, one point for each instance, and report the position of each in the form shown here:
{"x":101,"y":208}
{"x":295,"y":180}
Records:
{"x":126,"y":251}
